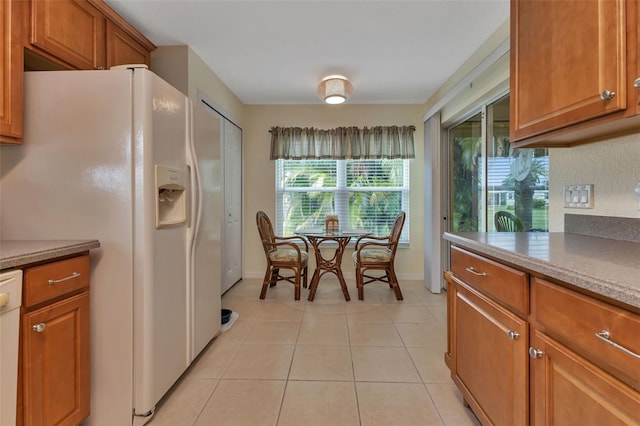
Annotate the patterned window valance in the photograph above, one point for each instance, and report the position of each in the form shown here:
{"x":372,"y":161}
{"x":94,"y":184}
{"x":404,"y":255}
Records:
{"x":297,"y":143}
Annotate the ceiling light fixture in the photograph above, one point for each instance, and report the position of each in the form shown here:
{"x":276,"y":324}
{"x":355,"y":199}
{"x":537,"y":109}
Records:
{"x":335,"y":89}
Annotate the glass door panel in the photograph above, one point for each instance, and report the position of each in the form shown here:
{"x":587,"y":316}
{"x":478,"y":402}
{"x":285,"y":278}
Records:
{"x":466,"y":177}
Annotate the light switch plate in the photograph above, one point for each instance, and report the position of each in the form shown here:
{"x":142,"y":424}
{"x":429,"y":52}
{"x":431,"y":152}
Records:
{"x":578,"y":196}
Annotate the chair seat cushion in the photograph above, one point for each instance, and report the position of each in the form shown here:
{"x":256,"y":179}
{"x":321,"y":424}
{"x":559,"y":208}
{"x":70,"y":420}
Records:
{"x":372,"y":255}
{"x":288,"y":255}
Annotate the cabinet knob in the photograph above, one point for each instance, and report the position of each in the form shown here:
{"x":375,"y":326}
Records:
{"x":636,"y":83}
{"x":607,"y":94}
{"x":513,"y":335}
{"x":39,"y":328}
{"x":535,"y":353}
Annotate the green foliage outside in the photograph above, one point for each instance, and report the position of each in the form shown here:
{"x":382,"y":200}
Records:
{"x":467,"y":188}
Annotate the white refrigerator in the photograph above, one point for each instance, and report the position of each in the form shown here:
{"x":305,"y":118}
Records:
{"x":123,"y":157}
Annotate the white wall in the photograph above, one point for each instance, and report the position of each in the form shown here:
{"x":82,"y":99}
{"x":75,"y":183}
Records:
{"x":612,"y":166}
{"x":183,"y":69}
{"x":259,"y":176}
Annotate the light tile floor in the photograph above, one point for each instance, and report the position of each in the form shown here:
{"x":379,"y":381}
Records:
{"x":326,"y":362}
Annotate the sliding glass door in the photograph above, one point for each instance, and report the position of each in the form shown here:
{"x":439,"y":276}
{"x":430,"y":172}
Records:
{"x":487,"y":176}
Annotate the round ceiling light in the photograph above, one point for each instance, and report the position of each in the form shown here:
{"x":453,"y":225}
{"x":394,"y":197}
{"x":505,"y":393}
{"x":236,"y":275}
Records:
{"x":335,"y":89}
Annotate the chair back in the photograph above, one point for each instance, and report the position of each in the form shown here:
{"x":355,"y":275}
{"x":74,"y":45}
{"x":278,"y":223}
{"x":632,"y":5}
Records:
{"x":394,"y":237}
{"x":507,"y":222}
{"x":265,"y":229}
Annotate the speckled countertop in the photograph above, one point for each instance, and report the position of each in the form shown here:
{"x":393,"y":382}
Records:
{"x":15,"y":253}
{"x":607,"y":267}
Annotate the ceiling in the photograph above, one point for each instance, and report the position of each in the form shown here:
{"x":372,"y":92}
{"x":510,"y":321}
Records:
{"x":276,"y":52}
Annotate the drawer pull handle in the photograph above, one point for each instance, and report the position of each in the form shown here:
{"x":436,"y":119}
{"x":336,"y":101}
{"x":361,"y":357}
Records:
{"x":72,"y":276}
{"x":605,"y":336}
{"x":513,"y":335}
{"x":39,"y":328}
{"x":474,"y":272}
{"x":4,"y":299}
{"x":535,"y":353}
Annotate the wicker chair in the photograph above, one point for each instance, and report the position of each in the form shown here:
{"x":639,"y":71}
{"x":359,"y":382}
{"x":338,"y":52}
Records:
{"x":282,"y":253}
{"x":378,"y":253}
{"x":507,"y":222}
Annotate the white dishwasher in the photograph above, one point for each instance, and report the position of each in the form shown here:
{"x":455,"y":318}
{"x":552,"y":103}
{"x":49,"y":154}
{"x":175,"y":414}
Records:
{"x":10,"y":300}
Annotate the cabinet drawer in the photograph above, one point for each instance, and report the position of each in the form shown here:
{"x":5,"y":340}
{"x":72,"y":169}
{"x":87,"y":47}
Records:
{"x":507,"y":285}
{"x":45,"y":282}
{"x":575,"y":320}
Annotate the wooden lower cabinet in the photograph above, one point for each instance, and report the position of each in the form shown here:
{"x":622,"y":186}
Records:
{"x":566,"y":389}
{"x":56,"y":362}
{"x":489,"y":348}
{"x":547,"y":364}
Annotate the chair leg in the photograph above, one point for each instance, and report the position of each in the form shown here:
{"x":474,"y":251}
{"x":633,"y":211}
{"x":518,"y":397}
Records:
{"x":304,"y":277}
{"x":359,"y":283}
{"x":274,"y":277}
{"x":395,"y":285}
{"x":265,"y":283}
{"x":297,"y":285}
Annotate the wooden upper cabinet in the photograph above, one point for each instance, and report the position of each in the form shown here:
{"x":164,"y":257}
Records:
{"x":570,"y":66}
{"x":57,"y":35}
{"x":122,"y":48}
{"x":11,"y":76}
{"x":71,"y":31}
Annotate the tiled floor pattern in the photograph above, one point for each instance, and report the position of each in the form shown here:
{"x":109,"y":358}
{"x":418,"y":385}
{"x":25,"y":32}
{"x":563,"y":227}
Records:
{"x":326,"y":362}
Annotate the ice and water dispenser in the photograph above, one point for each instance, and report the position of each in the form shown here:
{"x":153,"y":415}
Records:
{"x":171,"y":197}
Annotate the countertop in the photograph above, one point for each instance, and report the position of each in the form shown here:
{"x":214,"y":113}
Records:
{"x":610,"y":268}
{"x":15,"y":253}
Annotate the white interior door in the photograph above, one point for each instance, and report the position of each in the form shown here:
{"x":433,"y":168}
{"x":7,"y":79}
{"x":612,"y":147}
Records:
{"x":232,"y":256}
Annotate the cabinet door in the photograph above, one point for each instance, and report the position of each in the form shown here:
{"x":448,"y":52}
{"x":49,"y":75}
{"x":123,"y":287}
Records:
{"x":124,"y":49}
{"x":489,"y":357}
{"x":70,"y":30}
{"x":11,"y":72}
{"x":565,"y":56}
{"x":568,"y":390}
{"x":56,"y":363}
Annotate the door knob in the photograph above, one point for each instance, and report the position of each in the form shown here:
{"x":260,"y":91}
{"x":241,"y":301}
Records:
{"x":535,"y":353}
{"x":607,"y":94}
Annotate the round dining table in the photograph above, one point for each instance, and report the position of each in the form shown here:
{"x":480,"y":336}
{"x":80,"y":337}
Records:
{"x":326,"y":264}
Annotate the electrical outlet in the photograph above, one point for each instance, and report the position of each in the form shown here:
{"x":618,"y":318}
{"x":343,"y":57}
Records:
{"x":578,"y":196}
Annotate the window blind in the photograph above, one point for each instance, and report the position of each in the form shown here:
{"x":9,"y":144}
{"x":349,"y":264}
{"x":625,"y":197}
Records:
{"x":365,"y":194}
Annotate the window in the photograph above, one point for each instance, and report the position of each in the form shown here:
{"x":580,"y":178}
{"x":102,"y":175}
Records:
{"x":366,"y":194}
